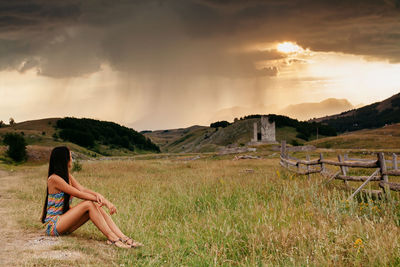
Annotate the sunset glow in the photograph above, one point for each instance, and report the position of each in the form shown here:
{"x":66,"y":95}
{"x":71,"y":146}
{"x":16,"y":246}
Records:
{"x":288,"y":48}
{"x":153,"y":66}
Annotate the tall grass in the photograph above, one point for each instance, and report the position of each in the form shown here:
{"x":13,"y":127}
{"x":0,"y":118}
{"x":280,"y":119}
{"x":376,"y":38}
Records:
{"x":214,"y":212}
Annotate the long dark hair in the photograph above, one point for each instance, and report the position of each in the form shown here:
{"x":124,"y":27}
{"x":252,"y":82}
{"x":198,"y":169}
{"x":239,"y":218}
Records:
{"x":58,"y":165}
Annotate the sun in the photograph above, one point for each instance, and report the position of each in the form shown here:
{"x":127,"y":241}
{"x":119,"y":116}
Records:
{"x":288,"y":48}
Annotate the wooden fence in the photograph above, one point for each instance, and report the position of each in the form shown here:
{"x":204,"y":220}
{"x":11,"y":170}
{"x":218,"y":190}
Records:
{"x":382,"y":169}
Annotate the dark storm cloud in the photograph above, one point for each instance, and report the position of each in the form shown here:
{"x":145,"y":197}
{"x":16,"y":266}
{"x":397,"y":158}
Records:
{"x":197,"y":37}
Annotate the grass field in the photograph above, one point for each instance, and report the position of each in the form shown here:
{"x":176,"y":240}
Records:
{"x":220,"y":212}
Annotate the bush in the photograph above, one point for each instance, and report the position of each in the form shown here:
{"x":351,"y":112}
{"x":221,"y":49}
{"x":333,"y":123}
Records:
{"x":294,"y":142}
{"x":76,"y":166}
{"x":16,"y":146}
{"x":302,"y":136}
{"x":217,"y":124}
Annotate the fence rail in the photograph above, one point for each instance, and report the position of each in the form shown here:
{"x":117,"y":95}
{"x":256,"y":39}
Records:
{"x":381,"y":173}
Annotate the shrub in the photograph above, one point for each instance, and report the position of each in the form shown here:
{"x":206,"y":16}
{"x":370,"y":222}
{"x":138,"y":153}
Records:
{"x":76,"y":166}
{"x":217,"y":124}
{"x":294,"y":142}
{"x":16,"y":146}
{"x":302,"y":136}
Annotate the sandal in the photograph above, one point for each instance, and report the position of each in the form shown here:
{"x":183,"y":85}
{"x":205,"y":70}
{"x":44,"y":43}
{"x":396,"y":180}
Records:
{"x":121,"y":245}
{"x":132,"y":243}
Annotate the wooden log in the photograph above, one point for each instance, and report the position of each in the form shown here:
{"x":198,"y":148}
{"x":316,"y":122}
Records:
{"x":383,"y":170}
{"x":309,"y":162}
{"x":364,"y":184}
{"x":391,"y":186}
{"x":290,"y":162}
{"x":393,"y":172}
{"x":357,"y":159}
{"x":395,"y":162}
{"x":343,"y":169}
{"x":352,"y":164}
{"x":308,"y":166}
{"x":357,"y":178}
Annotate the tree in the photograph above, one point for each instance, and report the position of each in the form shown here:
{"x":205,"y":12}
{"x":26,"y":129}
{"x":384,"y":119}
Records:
{"x":1,"y":124}
{"x":16,"y":146}
{"x":12,"y":121}
{"x":217,"y":124}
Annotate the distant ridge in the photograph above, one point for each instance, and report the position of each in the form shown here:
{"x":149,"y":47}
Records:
{"x":305,"y":111}
{"x":300,"y":111}
{"x":371,"y":116}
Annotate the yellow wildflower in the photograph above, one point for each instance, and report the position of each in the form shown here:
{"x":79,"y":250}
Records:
{"x":358,"y":243}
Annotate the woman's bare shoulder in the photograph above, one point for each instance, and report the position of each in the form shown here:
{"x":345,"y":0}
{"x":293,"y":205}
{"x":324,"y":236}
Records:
{"x":54,"y":178}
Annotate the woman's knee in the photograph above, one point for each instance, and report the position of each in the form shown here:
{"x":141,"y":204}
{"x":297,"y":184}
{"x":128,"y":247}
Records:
{"x":88,"y":204}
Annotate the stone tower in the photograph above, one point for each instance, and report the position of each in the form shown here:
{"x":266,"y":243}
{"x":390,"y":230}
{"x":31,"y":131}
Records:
{"x":267,"y":131}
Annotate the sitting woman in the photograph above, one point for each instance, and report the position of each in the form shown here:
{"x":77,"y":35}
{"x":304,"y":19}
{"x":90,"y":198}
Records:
{"x":60,"y":218}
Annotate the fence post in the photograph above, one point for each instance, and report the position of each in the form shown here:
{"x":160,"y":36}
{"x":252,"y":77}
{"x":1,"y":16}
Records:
{"x":394,"y":161}
{"x":308,"y":166}
{"x":321,"y":157}
{"x":346,"y":157}
{"x":343,"y":169}
{"x":283,"y":151}
{"x":384,"y":177}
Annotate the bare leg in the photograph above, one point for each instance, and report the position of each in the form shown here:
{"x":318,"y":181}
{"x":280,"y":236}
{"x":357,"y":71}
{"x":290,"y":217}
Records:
{"x":76,"y":214}
{"x":116,"y":229}
{"x":110,"y":222}
{"x":79,"y":223}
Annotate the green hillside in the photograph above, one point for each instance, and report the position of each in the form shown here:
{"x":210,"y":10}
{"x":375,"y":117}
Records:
{"x":86,"y":136}
{"x":209,"y":139}
{"x":387,"y":137}
{"x":92,"y":133}
{"x":372,"y":116}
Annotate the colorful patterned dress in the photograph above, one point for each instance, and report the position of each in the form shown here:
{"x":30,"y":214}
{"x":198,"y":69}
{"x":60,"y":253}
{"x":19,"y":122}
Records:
{"x":54,"y":210}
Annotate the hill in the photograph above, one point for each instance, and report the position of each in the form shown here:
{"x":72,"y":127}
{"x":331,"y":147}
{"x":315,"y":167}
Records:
{"x":108,"y":138}
{"x":371,"y":116}
{"x":238,"y":133}
{"x":387,"y":137}
{"x":92,"y":133}
{"x":305,"y":111}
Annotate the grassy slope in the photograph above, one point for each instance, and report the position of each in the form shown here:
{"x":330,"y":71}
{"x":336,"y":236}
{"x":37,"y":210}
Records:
{"x":387,"y":137}
{"x":39,"y":137}
{"x":206,"y":139}
{"x":212,"y":212}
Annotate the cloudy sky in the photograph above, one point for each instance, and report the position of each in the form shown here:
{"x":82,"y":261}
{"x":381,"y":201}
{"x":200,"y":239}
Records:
{"x":156,"y":64}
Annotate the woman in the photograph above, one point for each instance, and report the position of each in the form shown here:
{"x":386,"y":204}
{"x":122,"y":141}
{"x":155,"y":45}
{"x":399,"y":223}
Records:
{"x":60,"y":218}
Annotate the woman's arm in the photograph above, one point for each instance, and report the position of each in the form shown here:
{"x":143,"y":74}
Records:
{"x":102,"y":200}
{"x":80,"y":187}
{"x":61,"y":185}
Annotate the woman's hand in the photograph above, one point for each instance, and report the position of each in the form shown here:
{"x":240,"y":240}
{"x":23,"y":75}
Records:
{"x":112,"y":209}
{"x":100,"y":199}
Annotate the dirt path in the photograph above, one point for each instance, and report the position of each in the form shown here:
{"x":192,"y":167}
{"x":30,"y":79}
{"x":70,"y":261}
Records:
{"x":18,"y":246}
